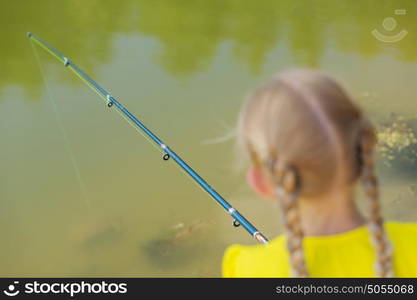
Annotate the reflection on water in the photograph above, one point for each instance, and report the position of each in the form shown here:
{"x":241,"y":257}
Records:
{"x":183,"y":67}
{"x":190,"y":32}
{"x":177,"y":246}
{"x":97,"y":235}
{"x":398,"y":144}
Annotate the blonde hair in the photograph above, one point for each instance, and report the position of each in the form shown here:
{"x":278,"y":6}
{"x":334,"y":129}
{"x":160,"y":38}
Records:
{"x":305,"y":133}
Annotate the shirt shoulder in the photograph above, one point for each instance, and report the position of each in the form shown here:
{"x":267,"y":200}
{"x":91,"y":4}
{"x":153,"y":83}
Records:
{"x":349,"y":254}
{"x":402,"y":230}
{"x":404,"y":243}
{"x":269,"y":260}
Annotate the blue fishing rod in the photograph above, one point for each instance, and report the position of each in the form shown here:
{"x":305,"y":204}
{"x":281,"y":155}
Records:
{"x":238,"y":219}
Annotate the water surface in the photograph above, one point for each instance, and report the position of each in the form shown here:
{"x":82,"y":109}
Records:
{"x":184,"y":68}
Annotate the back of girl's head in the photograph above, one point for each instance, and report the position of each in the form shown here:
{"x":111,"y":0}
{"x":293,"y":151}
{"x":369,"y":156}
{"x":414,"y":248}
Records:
{"x":305,"y":133}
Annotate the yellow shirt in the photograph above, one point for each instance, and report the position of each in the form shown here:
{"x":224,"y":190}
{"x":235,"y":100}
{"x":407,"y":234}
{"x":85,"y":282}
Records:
{"x":348,"y":254}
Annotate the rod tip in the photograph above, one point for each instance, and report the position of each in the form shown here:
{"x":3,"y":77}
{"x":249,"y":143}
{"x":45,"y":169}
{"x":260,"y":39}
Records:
{"x":29,"y":34}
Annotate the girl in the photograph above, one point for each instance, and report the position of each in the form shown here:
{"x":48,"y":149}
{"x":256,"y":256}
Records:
{"x":309,"y":145}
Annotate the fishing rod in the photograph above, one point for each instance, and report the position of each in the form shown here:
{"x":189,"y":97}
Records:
{"x":238,"y":219}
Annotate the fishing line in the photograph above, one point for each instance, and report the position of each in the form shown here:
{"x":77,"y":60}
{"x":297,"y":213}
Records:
{"x":120,"y":113}
{"x":62,"y":129}
{"x":238,"y":219}
{"x":128,"y":121}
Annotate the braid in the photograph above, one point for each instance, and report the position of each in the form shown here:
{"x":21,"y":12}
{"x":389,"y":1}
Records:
{"x":383,"y":264}
{"x":286,"y":181}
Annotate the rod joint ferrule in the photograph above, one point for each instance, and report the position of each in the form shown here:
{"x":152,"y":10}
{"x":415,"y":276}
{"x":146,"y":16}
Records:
{"x":260,"y":238}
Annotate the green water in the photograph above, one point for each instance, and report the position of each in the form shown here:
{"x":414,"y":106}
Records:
{"x":183,"y":67}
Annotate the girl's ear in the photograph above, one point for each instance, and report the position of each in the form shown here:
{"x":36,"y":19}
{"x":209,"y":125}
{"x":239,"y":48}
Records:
{"x":259,"y":183}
